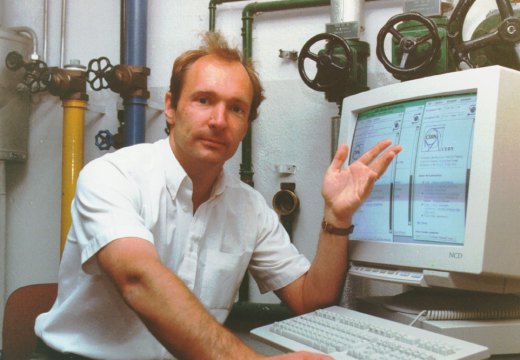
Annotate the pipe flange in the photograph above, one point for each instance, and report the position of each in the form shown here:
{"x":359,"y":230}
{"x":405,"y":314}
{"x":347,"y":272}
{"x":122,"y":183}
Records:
{"x":286,"y":202}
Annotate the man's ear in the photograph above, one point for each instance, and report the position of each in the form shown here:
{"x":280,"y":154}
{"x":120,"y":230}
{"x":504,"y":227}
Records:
{"x":168,"y":109}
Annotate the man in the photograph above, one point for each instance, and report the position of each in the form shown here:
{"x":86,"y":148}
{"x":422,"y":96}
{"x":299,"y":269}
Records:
{"x":162,"y":236}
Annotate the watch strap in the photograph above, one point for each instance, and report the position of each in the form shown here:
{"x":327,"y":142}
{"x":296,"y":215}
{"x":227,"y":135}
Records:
{"x":331,"y":229}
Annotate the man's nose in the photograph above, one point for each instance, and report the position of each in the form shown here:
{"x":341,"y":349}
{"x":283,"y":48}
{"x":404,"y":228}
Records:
{"x":218,"y":116}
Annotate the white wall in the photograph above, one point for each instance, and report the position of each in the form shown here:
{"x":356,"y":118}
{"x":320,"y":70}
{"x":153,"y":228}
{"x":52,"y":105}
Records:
{"x":293,"y":128}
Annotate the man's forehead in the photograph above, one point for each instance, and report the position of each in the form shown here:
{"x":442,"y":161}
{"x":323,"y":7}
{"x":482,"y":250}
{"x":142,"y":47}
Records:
{"x":211,"y":69}
{"x":218,"y":61}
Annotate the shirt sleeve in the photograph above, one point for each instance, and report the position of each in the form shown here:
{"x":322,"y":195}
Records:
{"x":275,"y":261}
{"x":106,"y":207}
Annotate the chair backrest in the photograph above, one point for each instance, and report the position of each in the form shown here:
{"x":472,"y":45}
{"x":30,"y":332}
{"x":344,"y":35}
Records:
{"x":21,"y":309}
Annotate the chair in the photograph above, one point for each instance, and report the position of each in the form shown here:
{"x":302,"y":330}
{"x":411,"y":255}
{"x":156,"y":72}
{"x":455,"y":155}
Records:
{"x":21,"y":309}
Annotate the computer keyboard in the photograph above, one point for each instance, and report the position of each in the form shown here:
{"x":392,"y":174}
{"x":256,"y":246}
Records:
{"x":346,"y":334}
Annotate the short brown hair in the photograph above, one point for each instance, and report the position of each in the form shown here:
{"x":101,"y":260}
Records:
{"x":214,"y":44}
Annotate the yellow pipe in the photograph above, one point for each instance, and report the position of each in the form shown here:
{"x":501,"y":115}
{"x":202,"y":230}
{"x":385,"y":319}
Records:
{"x":71,"y":158}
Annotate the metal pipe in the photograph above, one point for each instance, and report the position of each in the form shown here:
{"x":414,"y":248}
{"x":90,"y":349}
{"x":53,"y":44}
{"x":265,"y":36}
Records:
{"x":62,"y":36}
{"x":135,"y":113}
{"x":32,"y":34}
{"x":122,"y":48}
{"x":250,"y":10}
{"x":213,"y":11}
{"x":45,"y":29}
{"x":72,"y":158}
{"x":3,"y":236}
{"x":135,"y":32}
{"x":347,"y":11}
{"x":135,"y":54}
{"x":248,"y":13}
{"x":335,"y":123}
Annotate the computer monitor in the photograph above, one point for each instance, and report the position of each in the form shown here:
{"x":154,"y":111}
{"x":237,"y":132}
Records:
{"x":446,"y":214}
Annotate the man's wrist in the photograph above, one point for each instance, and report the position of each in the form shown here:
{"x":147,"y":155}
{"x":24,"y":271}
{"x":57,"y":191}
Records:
{"x":334,"y":230}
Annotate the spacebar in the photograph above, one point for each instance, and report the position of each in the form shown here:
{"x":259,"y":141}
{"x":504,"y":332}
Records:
{"x":299,"y":338}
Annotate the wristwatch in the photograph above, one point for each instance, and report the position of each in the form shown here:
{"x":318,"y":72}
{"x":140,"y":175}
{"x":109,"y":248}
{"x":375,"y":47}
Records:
{"x":331,"y":229}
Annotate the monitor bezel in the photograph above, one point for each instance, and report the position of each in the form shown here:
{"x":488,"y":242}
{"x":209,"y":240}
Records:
{"x":488,"y":84}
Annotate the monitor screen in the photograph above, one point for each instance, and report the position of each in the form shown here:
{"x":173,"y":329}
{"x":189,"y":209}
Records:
{"x":422,"y":198}
{"x":447,"y":209}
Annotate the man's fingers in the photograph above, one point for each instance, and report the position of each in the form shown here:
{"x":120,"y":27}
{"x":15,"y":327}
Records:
{"x":340,"y":157}
{"x":371,"y":158}
{"x":381,"y":164}
{"x":374,"y":152}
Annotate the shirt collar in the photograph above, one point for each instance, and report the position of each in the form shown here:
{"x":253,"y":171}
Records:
{"x":174,"y":172}
{"x":220,"y":184}
{"x":176,"y":175}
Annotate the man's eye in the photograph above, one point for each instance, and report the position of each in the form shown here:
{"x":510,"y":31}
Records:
{"x":203,"y":100}
{"x":237,"y":109}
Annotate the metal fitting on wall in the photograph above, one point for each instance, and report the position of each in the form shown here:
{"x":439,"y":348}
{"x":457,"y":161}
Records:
{"x":128,"y":80}
{"x":69,"y":83}
{"x":286,"y":203}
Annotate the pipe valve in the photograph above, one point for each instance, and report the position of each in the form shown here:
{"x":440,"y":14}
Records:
{"x":69,"y":83}
{"x":35,"y":71}
{"x":126,"y":80}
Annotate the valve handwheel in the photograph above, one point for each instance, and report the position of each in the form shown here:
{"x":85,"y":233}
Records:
{"x":97,"y":72}
{"x":407,"y":45}
{"x":331,"y":69}
{"x":507,"y":32}
{"x":36,"y":76}
{"x":104,"y":140}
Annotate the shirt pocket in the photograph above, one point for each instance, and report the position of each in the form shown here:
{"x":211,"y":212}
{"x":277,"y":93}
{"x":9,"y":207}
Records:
{"x":221,"y":275}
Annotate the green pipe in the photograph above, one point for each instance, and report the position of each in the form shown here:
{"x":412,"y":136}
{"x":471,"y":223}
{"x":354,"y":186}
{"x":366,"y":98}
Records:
{"x":246,"y":167}
{"x":213,"y":11}
{"x":251,"y":9}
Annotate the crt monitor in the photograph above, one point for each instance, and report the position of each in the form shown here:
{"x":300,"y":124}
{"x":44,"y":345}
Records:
{"x":446,"y":214}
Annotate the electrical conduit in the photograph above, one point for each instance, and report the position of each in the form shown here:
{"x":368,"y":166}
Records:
{"x":134,"y":42}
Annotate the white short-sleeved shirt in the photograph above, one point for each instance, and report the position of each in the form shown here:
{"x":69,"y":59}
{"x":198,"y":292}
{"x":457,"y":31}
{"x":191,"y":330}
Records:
{"x":142,"y":191}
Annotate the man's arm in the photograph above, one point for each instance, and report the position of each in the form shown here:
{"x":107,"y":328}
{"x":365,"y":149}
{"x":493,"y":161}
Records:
{"x":343,"y":191}
{"x":168,"y":308}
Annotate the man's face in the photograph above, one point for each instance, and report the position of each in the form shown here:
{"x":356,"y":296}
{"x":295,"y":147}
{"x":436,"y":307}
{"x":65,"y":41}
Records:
{"x":211,"y":117}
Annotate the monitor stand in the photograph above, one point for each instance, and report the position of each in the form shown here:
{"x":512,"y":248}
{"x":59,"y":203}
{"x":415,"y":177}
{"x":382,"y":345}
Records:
{"x":492,"y":320}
